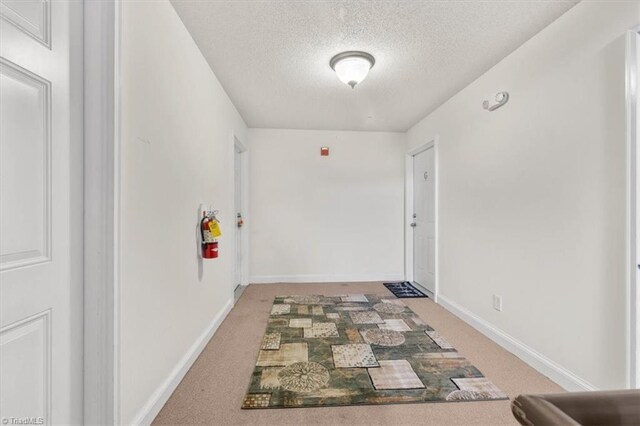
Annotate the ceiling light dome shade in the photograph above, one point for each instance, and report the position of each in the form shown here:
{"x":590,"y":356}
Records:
{"x":352,"y":67}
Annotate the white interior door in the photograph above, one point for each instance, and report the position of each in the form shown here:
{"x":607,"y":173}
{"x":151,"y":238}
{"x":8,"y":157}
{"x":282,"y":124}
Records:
{"x":238,"y":211}
{"x":40,"y":308}
{"x":424,"y":219}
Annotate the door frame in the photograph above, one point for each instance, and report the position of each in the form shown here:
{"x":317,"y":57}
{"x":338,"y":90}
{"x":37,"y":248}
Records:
{"x":241,"y":148}
{"x":408,"y":216}
{"x":102,"y":23}
{"x":632,"y":80}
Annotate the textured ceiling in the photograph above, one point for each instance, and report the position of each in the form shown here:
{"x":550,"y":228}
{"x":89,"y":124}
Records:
{"x":272,"y":57}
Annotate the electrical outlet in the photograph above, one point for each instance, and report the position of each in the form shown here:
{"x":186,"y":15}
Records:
{"x":497,"y":303}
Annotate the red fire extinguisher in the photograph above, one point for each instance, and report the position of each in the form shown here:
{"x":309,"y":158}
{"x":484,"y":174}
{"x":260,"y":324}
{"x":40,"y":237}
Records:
{"x":209,"y":243}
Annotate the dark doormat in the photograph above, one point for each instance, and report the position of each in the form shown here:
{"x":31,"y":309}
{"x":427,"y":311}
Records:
{"x":404,"y":290}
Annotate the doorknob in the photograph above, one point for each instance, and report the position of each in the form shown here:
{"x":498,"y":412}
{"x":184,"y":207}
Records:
{"x":413,"y":225}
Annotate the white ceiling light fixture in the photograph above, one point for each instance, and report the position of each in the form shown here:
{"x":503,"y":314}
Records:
{"x":352,"y":67}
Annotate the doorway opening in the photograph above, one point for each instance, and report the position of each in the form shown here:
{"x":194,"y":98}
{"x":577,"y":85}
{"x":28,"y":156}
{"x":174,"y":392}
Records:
{"x":239,"y":182}
{"x":421,"y":242}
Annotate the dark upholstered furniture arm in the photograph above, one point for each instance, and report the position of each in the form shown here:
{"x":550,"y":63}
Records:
{"x":534,"y":410}
{"x":611,"y":408}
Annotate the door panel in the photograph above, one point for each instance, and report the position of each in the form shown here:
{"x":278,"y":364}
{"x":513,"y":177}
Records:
{"x":24,"y":160}
{"x":31,"y":16}
{"x":29,"y":342}
{"x":40,"y":300}
{"x":424,"y":219}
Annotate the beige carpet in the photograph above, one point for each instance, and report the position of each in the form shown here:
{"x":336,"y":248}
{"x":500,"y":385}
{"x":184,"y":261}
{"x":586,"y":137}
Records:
{"x":212,"y":391}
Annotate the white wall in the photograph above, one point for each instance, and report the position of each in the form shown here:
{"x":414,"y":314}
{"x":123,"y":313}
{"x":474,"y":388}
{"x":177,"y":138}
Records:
{"x":177,"y":152}
{"x":336,"y":218}
{"x":532,"y":196}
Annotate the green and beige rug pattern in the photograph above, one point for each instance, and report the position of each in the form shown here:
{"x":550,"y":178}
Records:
{"x":357,"y":349}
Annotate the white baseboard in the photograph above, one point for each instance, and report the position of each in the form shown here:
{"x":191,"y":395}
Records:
{"x":544,"y":365}
{"x":157,"y":400}
{"x":323,"y":278}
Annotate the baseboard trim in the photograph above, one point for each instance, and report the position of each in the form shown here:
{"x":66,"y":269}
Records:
{"x":274,"y":279}
{"x":162,"y":394}
{"x":544,"y":365}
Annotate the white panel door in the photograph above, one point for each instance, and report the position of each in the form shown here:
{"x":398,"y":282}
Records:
{"x":40,"y":359}
{"x":424,"y":219}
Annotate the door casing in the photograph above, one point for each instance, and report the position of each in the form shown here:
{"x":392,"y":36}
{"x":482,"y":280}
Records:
{"x":102,"y":22}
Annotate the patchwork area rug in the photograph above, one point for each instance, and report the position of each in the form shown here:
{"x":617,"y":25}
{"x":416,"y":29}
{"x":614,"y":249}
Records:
{"x":404,"y":290}
{"x":357,"y":349}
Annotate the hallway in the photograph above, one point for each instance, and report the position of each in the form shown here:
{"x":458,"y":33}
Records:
{"x":178,"y":177}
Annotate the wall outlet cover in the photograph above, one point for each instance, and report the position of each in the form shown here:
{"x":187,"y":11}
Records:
{"x":497,"y":303}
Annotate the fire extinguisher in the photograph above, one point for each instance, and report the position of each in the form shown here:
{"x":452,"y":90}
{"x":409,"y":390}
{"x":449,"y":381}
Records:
{"x":209,"y":230}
